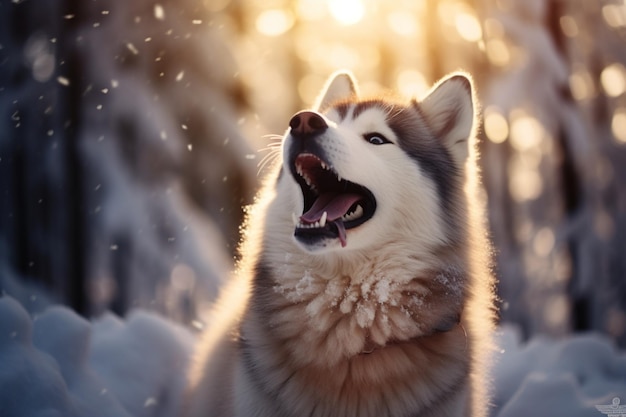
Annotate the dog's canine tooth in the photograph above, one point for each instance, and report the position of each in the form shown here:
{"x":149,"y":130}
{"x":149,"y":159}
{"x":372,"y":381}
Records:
{"x":323,"y":219}
{"x":295,"y":219}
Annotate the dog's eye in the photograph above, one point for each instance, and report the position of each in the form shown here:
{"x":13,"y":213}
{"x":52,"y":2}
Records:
{"x":376,"y":139}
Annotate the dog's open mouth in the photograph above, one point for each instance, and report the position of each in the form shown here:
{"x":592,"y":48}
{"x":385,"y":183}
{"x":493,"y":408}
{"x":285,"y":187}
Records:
{"x":332,"y":205}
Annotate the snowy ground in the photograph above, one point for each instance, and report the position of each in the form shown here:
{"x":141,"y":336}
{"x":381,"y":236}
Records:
{"x":59,"y":364}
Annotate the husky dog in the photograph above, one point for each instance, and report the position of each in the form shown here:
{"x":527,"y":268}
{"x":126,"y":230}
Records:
{"x":364,"y":288}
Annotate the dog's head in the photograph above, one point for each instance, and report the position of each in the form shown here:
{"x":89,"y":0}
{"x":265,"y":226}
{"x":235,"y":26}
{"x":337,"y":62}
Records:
{"x":362,"y":173}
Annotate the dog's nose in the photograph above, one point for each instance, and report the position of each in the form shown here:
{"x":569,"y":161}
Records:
{"x":307,"y":123}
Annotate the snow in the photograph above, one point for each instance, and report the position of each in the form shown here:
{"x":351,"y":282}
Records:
{"x":59,"y":364}
{"x":547,"y":377}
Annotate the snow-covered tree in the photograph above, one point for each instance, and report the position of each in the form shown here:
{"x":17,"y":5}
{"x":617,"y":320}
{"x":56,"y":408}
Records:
{"x":123,"y":166}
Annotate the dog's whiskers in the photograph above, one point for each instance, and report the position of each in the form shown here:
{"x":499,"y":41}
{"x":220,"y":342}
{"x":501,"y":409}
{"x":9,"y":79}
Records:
{"x":273,"y":152}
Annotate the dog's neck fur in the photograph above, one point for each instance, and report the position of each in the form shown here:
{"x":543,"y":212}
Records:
{"x":383,"y":296}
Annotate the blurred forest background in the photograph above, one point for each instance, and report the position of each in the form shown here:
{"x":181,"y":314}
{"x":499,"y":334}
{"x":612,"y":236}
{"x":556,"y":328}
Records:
{"x":130,"y":130}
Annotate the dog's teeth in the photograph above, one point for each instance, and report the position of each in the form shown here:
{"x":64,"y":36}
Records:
{"x":358,"y":212}
{"x":294,"y":218}
{"x":338,"y":177}
{"x":323,"y":165}
{"x":323,"y":219}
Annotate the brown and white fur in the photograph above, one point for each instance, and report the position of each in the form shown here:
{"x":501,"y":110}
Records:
{"x":393,"y":318}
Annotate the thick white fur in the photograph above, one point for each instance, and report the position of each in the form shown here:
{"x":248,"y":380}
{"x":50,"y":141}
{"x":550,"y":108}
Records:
{"x":333,"y":336}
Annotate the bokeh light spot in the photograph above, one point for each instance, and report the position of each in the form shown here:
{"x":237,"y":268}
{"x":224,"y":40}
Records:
{"x":614,"y":15}
{"x":613,"y":80}
{"x":581,"y":85}
{"x":618,"y":125}
{"x":569,"y":26}
{"x":525,"y":185}
{"x":159,"y":12}
{"x":274,"y":22}
{"x":347,"y":12}
{"x":496,"y":126}
{"x":468,"y":27}
{"x":498,"y":52}
{"x":526,"y":132}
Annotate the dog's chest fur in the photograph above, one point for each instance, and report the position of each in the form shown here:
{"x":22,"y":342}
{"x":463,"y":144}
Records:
{"x":368,"y":343}
{"x":362,"y":305}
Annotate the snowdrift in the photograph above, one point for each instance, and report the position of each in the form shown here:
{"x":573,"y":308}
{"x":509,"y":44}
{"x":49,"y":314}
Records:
{"x":58,"y":364}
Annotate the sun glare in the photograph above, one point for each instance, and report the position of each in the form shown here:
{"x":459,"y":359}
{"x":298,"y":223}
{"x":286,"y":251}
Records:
{"x":274,"y":22}
{"x":347,"y":12}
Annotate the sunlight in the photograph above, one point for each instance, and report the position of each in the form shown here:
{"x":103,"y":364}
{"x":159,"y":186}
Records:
{"x":274,"y":22}
{"x":340,"y":55}
{"x":412,"y":83}
{"x":311,"y":10}
{"x":403,"y":24}
{"x":346,"y":12}
{"x":468,"y":27}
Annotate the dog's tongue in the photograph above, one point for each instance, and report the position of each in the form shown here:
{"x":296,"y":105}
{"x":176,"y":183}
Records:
{"x":342,"y":232}
{"x":334,"y":204}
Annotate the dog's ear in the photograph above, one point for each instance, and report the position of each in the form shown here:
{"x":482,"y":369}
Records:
{"x":449,"y":108}
{"x":340,"y":85}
